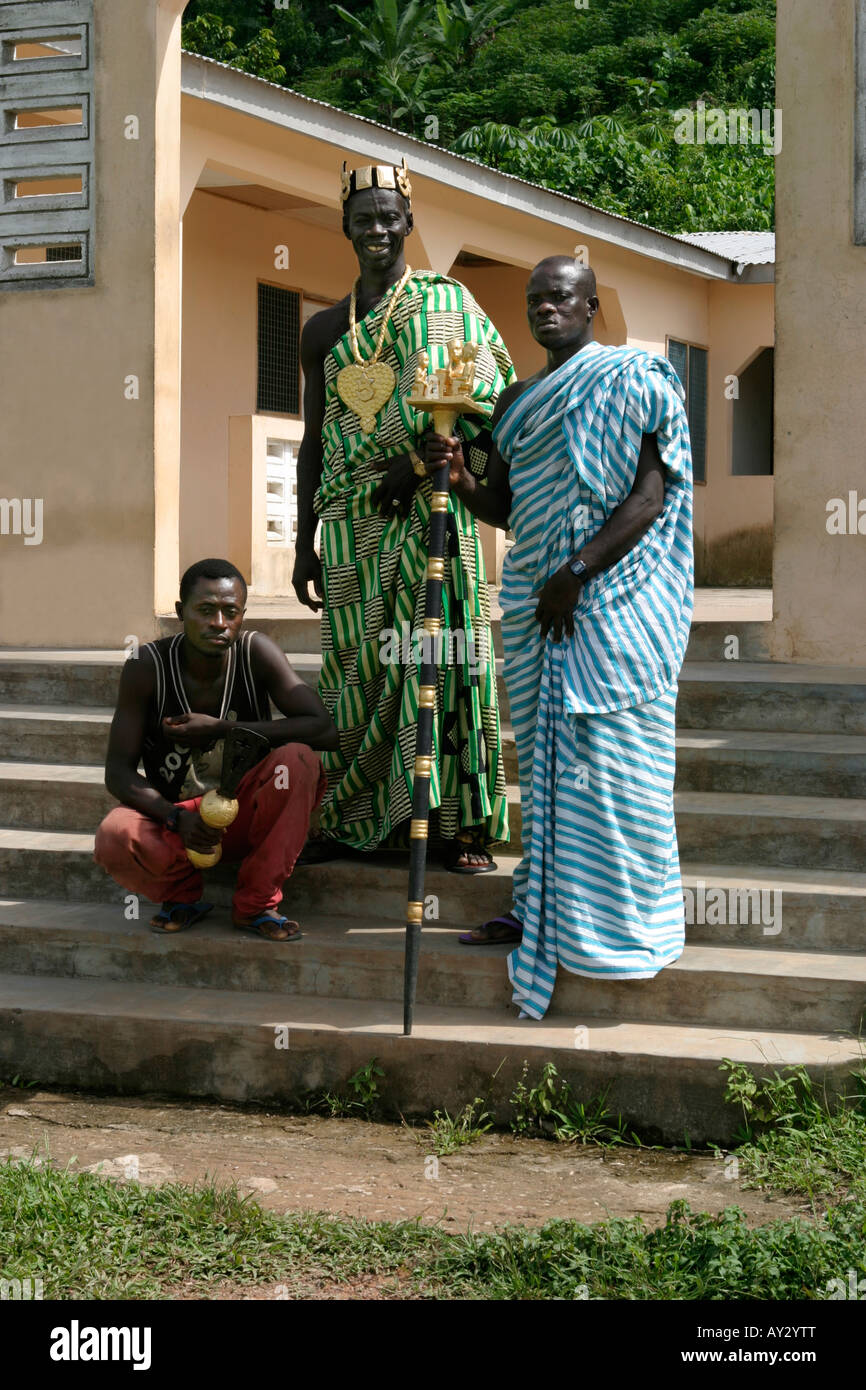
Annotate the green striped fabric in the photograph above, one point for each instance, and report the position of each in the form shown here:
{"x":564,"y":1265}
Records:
{"x":373,"y":578}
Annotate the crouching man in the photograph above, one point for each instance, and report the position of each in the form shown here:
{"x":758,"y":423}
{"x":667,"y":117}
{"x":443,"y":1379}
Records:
{"x":177,"y":701}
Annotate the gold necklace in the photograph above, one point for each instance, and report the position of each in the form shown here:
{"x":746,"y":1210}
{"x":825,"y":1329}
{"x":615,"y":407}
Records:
{"x":365,"y":386}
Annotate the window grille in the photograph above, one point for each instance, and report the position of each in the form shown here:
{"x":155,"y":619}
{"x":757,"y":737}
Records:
{"x":279,"y":358}
{"x":46,"y":147}
{"x":690,"y":364}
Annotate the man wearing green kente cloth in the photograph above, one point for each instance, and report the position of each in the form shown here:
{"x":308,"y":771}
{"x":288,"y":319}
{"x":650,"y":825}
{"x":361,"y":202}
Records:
{"x":359,"y":474}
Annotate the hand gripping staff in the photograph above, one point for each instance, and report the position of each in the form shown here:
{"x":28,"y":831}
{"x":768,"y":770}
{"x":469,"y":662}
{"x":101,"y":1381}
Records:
{"x":444,"y":396}
{"x":242,"y":750}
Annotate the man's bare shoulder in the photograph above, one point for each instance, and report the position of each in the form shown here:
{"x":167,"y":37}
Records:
{"x":324,"y":328}
{"x":510,"y":394}
{"x":137,"y":680}
{"x":265,"y":656}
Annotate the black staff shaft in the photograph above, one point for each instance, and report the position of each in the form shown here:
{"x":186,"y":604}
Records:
{"x":429,"y":679}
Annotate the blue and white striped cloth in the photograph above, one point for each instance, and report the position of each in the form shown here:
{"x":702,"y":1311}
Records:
{"x":598,"y":889}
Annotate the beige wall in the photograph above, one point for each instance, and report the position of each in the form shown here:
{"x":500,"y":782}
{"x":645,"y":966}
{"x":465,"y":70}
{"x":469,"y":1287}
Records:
{"x":819,"y":579}
{"x":229,"y":246}
{"x":72,"y":438}
{"x":740,"y":324}
{"x":227,"y":249}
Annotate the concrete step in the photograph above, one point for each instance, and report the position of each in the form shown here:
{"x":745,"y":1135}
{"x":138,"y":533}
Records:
{"x":720,"y":827}
{"x":711,"y":641}
{"x":766,"y":763}
{"x":793,"y":764}
{"x":738,"y":828}
{"x":813,"y":909}
{"x":772,"y":696}
{"x":665,"y":1080}
{"x":712,"y":695}
{"x":54,"y":733}
{"x":53,"y":796}
{"x":359,"y":958}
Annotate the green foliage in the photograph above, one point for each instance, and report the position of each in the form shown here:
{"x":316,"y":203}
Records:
{"x":361,"y":1100}
{"x":794,"y":1139}
{"x":549,"y":1108}
{"x":212,"y":36}
{"x":89,"y":1238}
{"x":466,"y":1127}
{"x":581,"y":101}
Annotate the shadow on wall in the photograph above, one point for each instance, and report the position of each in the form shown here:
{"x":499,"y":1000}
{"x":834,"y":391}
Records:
{"x":741,"y":560}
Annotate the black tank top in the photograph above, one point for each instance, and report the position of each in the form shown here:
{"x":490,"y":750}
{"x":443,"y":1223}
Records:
{"x":183,"y":773}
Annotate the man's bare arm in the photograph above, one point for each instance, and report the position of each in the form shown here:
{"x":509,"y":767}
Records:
{"x":125,"y":741}
{"x":490,"y":501}
{"x":632,"y":519}
{"x":620,"y":533}
{"x":306,"y":719}
{"x":307,"y":566}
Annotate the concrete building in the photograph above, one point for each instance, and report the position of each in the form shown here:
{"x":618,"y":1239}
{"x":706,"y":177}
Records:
{"x":151,"y":348}
{"x":159,"y":212}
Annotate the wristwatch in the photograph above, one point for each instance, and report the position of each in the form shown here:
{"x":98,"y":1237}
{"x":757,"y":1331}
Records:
{"x":171,"y":821}
{"x":578,"y":567}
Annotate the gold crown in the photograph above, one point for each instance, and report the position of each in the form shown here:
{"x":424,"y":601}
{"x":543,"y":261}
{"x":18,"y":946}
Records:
{"x":375,"y":176}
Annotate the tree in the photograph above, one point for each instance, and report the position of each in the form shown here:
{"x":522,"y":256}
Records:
{"x":211,"y":36}
{"x":463,"y":28}
{"x":396,"y":49}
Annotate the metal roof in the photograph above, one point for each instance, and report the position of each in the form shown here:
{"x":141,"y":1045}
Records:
{"x":213,"y":81}
{"x":746,"y":248}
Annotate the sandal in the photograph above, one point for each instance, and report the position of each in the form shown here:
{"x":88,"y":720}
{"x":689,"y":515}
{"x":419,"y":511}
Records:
{"x":499,"y":929}
{"x":258,"y":926}
{"x":467,"y":842}
{"x":164,"y":924}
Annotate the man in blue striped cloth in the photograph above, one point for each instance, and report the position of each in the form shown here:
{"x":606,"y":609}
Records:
{"x":590,"y":467}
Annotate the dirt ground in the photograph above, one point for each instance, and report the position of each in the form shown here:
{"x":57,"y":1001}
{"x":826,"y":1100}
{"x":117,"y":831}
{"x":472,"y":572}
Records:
{"x":373,"y":1171}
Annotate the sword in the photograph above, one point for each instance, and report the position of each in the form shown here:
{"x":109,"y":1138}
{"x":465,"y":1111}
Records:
{"x":242,"y":750}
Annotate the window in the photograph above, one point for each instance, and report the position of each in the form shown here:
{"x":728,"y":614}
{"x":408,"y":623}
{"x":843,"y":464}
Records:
{"x":690,"y":364}
{"x":279,"y":358}
{"x":63,"y":253}
{"x":282,"y":488}
{"x":752,"y":444}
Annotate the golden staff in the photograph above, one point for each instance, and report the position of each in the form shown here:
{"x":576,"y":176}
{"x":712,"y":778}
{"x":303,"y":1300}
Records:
{"x":444,"y":394}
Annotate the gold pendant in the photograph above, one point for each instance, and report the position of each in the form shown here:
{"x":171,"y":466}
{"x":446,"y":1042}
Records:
{"x":365,"y":387}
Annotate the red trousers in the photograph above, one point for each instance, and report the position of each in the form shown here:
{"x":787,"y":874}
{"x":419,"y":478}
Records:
{"x":275,"y":800}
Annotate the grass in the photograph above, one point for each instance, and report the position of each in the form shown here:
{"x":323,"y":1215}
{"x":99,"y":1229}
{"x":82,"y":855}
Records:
{"x":549,"y":1108}
{"x":88,"y":1238}
{"x":361,"y":1100}
{"x":796,"y":1139}
{"x":448,"y":1134}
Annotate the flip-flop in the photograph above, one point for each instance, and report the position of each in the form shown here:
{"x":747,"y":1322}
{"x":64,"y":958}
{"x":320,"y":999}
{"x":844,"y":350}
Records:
{"x":457,"y":847}
{"x":508,"y":931}
{"x":163,"y":924}
{"x":258,"y":927}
